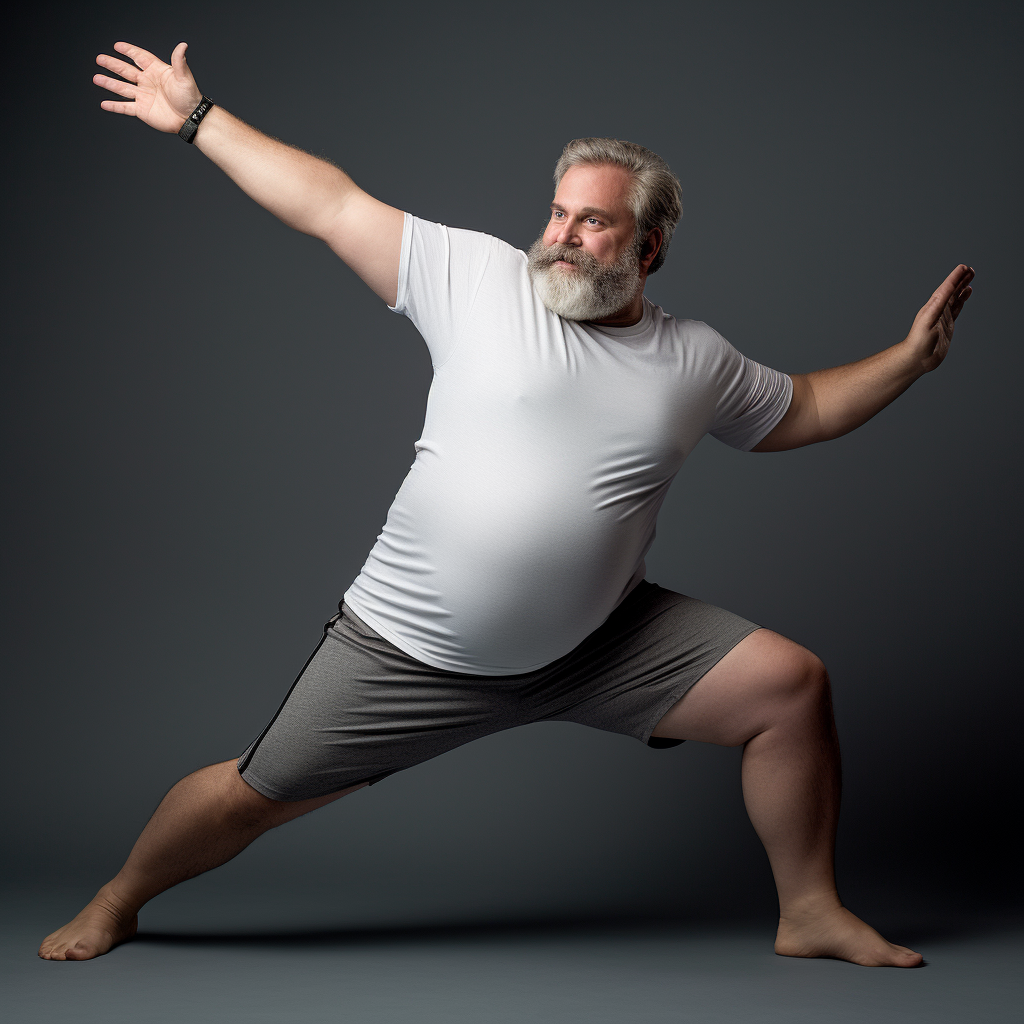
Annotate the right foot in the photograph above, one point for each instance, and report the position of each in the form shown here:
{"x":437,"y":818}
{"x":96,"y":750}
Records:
{"x":838,"y":934}
{"x":102,"y":925}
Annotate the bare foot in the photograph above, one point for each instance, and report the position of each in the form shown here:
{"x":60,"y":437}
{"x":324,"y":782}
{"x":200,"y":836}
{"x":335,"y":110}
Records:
{"x":103,"y":924}
{"x":841,"y":935}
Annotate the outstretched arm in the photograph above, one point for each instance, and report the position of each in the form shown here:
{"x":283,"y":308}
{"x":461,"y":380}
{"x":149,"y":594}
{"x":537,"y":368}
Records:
{"x":307,"y":193}
{"x":830,"y":403}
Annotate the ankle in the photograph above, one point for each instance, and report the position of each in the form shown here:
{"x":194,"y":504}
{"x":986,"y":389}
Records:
{"x":799,"y":909}
{"x":115,"y":899}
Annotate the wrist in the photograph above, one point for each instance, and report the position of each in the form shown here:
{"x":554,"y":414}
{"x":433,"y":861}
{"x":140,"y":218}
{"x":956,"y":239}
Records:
{"x":914,"y":362}
{"x":190,"y":125}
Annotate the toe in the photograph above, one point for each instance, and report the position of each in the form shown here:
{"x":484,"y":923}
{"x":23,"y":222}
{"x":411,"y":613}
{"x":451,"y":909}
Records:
{"x":907,"y":957}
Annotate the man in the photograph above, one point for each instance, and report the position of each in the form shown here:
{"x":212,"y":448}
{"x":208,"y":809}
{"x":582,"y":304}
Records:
{"x":507,"y":585}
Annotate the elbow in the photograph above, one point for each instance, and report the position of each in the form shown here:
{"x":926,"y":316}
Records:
{"x":801,"y":423}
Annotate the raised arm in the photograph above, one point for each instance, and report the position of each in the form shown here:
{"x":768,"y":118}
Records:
{"x":308,"y":194}
{"x":830,"y":403}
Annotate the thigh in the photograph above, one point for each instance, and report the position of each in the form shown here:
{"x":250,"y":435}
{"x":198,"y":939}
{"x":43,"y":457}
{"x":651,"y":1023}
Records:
{"x":650,"y":651}
{"x":743,"y":693}
{"x":359,"y":711}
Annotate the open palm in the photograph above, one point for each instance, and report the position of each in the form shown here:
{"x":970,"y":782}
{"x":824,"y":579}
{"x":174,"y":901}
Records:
{"x":162,"y":95}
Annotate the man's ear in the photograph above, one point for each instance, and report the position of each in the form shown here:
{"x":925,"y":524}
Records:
{"x":651,"y":247}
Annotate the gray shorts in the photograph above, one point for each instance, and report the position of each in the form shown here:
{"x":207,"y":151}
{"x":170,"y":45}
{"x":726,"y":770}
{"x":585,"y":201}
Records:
{"x":361,"y":709}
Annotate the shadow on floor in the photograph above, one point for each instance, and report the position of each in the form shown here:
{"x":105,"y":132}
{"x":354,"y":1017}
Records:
{"x":912,"y":930}
{"x":565,"y":927}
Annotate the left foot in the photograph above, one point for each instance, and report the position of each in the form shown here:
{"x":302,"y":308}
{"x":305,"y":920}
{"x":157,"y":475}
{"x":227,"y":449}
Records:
{"x":102,"y":925}
{"x":839,"y":934}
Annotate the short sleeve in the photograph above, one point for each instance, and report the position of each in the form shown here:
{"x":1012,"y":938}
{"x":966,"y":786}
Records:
{"x":752,"y":398}
{"x":439,"y":274}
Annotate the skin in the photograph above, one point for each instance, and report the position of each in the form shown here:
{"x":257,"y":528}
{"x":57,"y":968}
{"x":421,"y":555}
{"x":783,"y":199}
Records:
{"x":768,"y":695}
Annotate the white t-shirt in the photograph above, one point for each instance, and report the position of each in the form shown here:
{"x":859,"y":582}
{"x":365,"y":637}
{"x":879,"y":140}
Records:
{"x":547,"y":449}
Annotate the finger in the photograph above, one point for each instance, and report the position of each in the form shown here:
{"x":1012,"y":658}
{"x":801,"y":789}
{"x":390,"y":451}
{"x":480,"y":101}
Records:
{"x":945,"y":291}
{"x":961,"y":299}
{"x":119,"y":67}
{"x":118,"y":107}
{"x":112,"y":84}
{"x":178,"y":59}
{"x":954,"y":281}
{"x":956,"y":297}
{"x":141,"y":57}
{"x":956,"y":304}
{"x":963,"y":288}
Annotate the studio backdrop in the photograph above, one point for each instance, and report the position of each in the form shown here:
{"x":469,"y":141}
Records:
{"x":207,"y":416}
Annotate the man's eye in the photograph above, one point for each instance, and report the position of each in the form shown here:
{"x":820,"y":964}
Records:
{"x":593,"y":220}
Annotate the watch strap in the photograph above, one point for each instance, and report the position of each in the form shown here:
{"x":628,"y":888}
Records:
{"x":188,"y":130}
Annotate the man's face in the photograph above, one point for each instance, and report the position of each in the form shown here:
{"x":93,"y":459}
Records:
{"x":585,"y":265}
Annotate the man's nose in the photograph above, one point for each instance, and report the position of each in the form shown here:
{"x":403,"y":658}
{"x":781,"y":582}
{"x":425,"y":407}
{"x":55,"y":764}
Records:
{"x":567,"y":234}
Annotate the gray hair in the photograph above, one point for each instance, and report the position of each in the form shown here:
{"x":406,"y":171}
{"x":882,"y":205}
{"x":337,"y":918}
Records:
{"x":656,"y":196}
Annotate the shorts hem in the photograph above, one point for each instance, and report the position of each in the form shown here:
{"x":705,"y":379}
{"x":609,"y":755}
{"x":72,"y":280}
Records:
{"x":261,"y":787}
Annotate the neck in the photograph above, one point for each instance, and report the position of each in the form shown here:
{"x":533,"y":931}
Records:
{"x":628,"y":316}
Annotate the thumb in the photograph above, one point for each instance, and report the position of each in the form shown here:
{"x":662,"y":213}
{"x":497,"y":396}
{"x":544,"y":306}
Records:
{"x":178,"y":59}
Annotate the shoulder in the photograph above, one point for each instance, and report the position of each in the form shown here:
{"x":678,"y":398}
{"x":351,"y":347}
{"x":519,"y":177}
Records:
{"x":707,"y":355}
{"x":697,"y":330}
{"x":693,"y":332}
{"x":446,"y":271}
{"x":497,"y":250}
{"x":462,"y":254}
{"x":463,"y":239}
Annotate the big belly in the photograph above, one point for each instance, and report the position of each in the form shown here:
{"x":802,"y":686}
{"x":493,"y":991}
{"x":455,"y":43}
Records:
{"x":525,"y":565}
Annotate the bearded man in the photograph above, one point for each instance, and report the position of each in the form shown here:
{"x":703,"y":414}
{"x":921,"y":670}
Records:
{"x":507,"y":585}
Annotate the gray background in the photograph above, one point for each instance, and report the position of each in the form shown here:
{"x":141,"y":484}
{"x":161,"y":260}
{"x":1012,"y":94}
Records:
{"x":207,"y":416}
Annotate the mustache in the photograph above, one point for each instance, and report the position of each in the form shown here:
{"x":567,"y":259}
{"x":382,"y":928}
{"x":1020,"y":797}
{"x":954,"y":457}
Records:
{"x":548,"y":256}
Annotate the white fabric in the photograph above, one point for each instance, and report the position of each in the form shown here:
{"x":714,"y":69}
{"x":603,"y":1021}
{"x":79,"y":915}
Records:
{"x":547,"y":449}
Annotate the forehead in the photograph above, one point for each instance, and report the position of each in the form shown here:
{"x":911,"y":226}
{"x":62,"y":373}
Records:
{"x":603,"y":185}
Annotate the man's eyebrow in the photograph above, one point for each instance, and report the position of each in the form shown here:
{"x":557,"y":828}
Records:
{"x":586,"y":211}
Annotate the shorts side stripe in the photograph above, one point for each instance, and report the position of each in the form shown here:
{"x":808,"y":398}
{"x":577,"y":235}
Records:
{"x":247,"y":756}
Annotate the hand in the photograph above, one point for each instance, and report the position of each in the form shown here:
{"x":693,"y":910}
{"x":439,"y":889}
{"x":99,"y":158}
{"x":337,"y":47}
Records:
{"x":932,"y":330}
{"x":163,"y":95}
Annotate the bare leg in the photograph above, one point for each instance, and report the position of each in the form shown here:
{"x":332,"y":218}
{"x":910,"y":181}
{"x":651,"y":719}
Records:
{"x":205,"y":820}
{"x":772,"y":696}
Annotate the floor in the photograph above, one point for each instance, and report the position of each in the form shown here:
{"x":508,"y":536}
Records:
{"x":562,"y":971}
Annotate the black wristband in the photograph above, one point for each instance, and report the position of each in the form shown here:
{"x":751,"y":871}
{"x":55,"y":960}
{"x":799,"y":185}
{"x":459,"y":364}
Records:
{"x":188,"y":130}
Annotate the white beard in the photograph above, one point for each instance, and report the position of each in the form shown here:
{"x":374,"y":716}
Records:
{"x":592,"y":290}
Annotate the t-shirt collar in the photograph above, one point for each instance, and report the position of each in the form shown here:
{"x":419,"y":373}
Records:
{"x":642,"y":326}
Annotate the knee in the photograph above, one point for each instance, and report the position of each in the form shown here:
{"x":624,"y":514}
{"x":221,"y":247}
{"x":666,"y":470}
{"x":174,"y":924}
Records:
{"x":245,"y":809}
{"x":806,"y":678}
{"x":794,"y":687}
